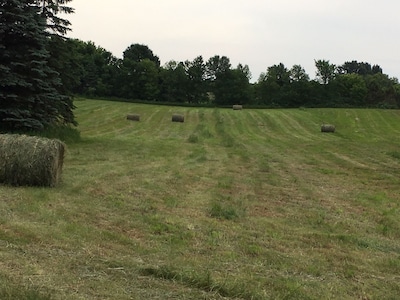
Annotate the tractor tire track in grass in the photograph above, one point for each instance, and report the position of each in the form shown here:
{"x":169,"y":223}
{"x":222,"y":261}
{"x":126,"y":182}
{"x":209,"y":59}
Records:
{"x":292,"y":126}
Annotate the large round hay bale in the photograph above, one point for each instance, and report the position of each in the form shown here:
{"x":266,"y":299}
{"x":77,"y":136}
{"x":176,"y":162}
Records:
{"x":28,"y":160}
{"x":178,"y":118}
{"x":327,"y":128}
{"x":237,"y":107}
{"x":133,"y":117}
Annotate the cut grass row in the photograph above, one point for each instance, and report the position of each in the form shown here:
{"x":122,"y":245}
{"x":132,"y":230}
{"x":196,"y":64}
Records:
{"x":236,"y":204}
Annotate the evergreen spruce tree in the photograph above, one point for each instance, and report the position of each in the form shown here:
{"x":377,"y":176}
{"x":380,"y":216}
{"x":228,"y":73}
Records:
{"x":50,"y":10}
{"x":29,"y":88}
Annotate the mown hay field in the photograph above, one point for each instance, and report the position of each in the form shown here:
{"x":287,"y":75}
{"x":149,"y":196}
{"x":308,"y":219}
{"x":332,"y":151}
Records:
{"x":230,"y":204}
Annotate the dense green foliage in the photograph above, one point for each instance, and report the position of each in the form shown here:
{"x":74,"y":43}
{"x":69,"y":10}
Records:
{"x":139,"y":76}
{"x":31,"y":96}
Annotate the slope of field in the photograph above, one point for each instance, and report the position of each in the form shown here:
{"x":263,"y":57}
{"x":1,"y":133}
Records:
{"x":250,"y":204}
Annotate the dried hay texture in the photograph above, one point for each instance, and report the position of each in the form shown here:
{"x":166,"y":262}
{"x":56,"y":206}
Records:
{"x":30,"y":161}
{"x":133,"y":117}
{"x":327,"y":128}
{"x":178,"y":118}
{"x":237,"y":107}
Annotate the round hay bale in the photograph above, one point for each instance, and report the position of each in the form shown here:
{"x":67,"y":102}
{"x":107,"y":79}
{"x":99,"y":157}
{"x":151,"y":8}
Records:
{"x":32,"y":161}
{"x":133,"y":117}
{"x":237,"y":107}
{"x":327,"y":128}
{"x":178,"y":118}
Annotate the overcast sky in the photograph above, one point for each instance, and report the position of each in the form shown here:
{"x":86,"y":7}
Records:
{"x":259,"y":33}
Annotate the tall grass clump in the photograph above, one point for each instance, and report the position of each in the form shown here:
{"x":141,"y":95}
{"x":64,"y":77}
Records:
{"x":11,"y":291}
{"x":223,"y":211}
{"x":67,"y":134}
{"x":394,"y":154}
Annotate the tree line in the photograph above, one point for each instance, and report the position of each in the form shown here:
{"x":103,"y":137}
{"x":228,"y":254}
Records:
{"x":41,"y":70}
{"x":139,"y":76}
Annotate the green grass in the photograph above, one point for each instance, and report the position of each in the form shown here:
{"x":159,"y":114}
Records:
{"x":251,"y":204}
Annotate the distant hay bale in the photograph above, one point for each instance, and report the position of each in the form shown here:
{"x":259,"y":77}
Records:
{"x":178,"y":118}
{"x":31,"y":161}
{"x":237,"y":107}
{"x":133,"y":117}
{"x":327,"y":128}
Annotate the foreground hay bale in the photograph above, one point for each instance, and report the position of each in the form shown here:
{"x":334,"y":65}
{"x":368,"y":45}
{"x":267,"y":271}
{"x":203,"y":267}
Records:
{"x":237,"y":107}
{"x":178,"y":118}
{"x":327,"y":128}
{"x":133,"y":117}
{"x":28,"y":160}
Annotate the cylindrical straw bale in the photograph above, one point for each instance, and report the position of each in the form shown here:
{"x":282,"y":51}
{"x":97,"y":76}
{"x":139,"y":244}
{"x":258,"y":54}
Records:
{"x":237,"y":107}
{"x":327,"y":128}
{"x":133,"y":117}
{"x":32,"y":161}
{"x":178,"y":118}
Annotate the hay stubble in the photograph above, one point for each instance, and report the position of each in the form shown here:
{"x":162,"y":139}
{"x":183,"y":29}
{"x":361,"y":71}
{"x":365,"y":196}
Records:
{"x":306,"y":222}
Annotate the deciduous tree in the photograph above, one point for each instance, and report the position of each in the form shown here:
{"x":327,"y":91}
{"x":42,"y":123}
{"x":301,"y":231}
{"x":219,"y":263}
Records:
{"x":298,"y":74}
{"x":173,"y":82}
{"x":350,"y":90}
{"x":196,"y":74}
{"x":273,"y":86}
{"x":139,"y":52}
{"x":139,"y":73}
{"x":382,"y":91}
{"x":232,"y":87}
{"x":325,"y":71}
{"x":215,"y":65}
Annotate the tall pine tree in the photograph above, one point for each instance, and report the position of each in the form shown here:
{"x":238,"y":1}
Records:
{"x":50,"y":10}
{"x":29,"y":88}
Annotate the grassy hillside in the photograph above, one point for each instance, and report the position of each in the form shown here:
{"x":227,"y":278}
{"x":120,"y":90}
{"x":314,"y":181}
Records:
{"x":252,"y":204}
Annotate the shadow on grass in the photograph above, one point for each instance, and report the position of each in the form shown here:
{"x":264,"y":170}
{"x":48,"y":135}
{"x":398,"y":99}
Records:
{"x":204,"y":282}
